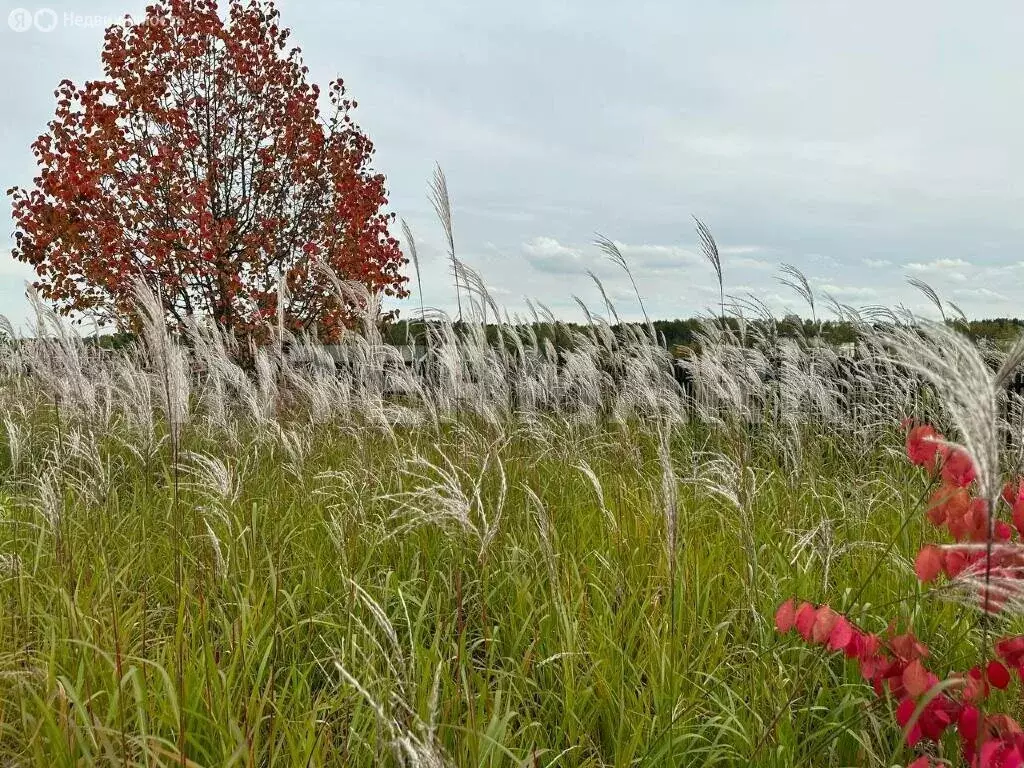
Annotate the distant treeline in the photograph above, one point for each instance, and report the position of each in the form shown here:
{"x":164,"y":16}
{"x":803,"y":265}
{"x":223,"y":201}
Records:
{"x":684,"y":333}
{"x":673,"y":333}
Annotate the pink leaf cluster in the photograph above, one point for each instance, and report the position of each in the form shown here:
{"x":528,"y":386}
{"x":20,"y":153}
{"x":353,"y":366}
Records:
{"x":896,"y":665}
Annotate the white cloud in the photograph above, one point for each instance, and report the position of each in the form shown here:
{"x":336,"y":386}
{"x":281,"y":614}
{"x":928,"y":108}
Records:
{"x":849,"y":292}
{"x":740,"y":250}
{"x":546,"y":254}
{"x":980,"y":293}
{"x":658,"y":258}
{"x":744,"y":262}
{"x":825,"y":259}
{"x":938,"y":265}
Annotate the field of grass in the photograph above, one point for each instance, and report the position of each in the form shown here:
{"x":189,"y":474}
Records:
{"x":294,"y":569}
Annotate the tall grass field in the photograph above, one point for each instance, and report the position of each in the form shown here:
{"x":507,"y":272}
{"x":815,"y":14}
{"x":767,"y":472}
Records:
{"x":508,"y":555}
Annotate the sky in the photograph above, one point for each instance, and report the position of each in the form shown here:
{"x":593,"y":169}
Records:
{"x":863,"y":142}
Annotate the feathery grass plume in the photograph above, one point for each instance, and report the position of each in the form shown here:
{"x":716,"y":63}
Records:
{"x":929,"y":294}
{"x":844,"y":312}
{"x":17,"y":442}
{"x":669,"y":494}
{"x":604,"y":296}
{"x":730,"y":377}
{"x":478,"y":294}
{"x":165,"y":356}
{"x":446,"y":494}
{"x":57,"y":357}
{"x":796,"y":280}
{"x":966,"y":385}
{"x":91,"y":475}
{"x":588,"y":472}
{"x":8,"y":330}
{"x":824,"y":544}
{"x":611,"y":249}
{"x":959,"y":313}
{"x":545,"y":533}
{"x":211,"y":476}
{"x":758,"y":307}
{"x":49,"y":502}
{"x":413,"y":745}
{"x":410,"y":243}
{"x":10,"y":565}
{"x":709,"y":248}
{"x":413,"y":740}
{"x":218,"y":564}
{"x":441,"y":201}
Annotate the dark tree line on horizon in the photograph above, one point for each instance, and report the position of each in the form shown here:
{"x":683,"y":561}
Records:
{"x":677,"y":335}
{"x":683,"y":333}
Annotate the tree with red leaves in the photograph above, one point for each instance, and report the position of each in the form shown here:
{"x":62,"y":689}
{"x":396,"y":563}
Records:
{"x":202,"y":164}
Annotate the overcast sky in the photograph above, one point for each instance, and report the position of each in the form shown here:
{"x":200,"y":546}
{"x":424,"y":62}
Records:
{"x":864,"y":142}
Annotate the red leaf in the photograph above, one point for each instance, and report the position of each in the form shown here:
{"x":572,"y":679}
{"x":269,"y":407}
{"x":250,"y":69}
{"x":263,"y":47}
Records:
{"x":904,"y":711}
{"x":841,"y":635}
{"x":922,"y":445}
{"x":928,"y":564}
{"x":997,"y":674}
{"x":915,"y":678}
{"x":823,"y":623}
{"x":958,"y":468}
{"x":804,"y":621}
{"x":1018,"y":515}
{"x":954,"y":562}
{"x":1011,"y":650}
{"x":785,"y":616}
{"x":967,"y":723}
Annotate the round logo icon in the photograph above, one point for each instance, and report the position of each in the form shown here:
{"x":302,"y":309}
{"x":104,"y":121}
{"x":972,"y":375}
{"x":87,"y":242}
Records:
{"x":20,"y":20}
{"x":45,"y":19}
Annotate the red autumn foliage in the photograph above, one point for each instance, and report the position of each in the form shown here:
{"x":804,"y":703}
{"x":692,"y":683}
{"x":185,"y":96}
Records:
{"x":923,"y":445}
{"x":957,"y":467}
{"x":997,"y":674}
{"x":1011,"y":650}
{"x":201,"y":163}
{"x":1013,"y":494}
{"x":929,"y":563}
{"x":897,"y":665}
